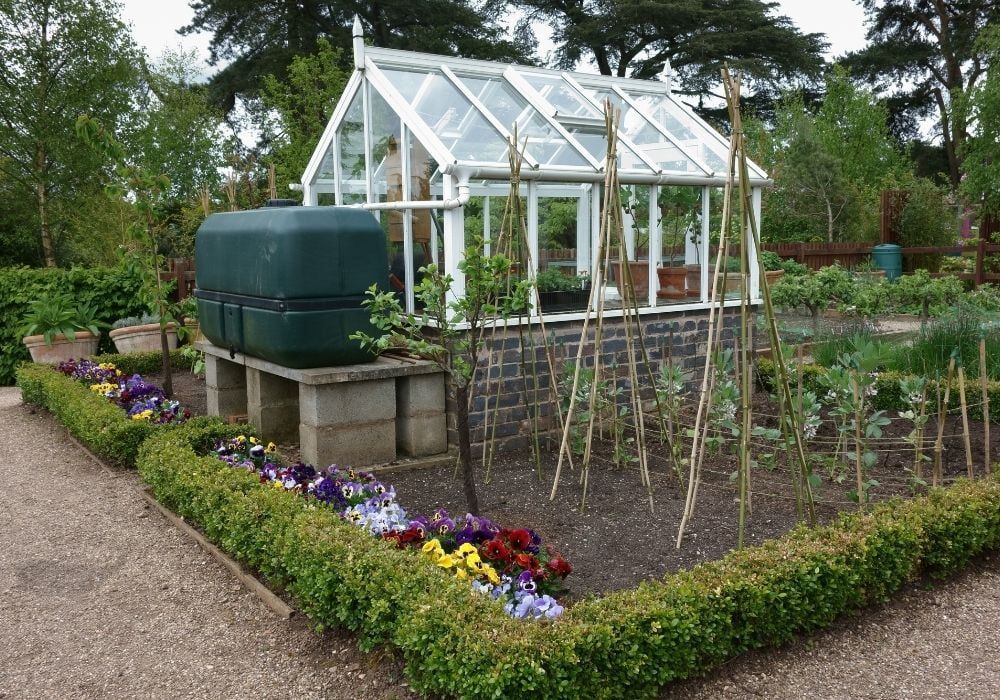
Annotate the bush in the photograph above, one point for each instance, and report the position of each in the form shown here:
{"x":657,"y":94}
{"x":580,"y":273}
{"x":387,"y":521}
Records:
{"x":93,"y":420}
{"x":113,"y":292}
{"x":626,"y":644}
{"x":146,"y":362}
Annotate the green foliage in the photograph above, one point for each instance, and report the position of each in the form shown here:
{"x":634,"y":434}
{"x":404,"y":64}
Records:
{"x":957,"y":333}
{"x":91,"y":418}
{"x":61,"y":58}
{"x":815,"y":291}
{"x":54,"y":313}
{"x":112,"y":292}
{"x":923,"y":291}
{"x":146,"y":363}
{"x":296,"y":110}
{"x":551,"y":279}
{"x":982,"y":152}
{"x":129,"y":321}
{"x":625,"y":644}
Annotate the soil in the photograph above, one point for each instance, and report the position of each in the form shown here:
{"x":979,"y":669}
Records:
{"x":189,"y":389}
{"x":615,"y":542}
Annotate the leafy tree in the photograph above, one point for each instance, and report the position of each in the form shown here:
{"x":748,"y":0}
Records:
{"x":637,"y":38}
{"x":260,"y":37}
{"x":982,"y":153}
{"x":925,"y":54}
{"x":61,"y":58}
{"x":297,"y":109}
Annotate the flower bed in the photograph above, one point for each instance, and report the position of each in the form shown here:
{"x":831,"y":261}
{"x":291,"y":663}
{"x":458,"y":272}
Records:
{"x":140,"y":400}
{"x":509,"y":566}
{"x":626,"y":644}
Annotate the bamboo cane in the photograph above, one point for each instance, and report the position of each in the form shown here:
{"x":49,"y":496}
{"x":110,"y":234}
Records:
{"x":942,"y":415}
{"x":857,"y":441}
{"x":984,"y":385}
{"x":965,"y":422}
{"x":918,"y":466}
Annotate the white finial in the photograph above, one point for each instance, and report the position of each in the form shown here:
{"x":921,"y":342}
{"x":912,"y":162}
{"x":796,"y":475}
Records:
{"x":358,"y":35}
{"x":668,"y":74}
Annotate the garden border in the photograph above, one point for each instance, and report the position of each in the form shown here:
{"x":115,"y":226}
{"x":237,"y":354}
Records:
{"x":625,"y":644}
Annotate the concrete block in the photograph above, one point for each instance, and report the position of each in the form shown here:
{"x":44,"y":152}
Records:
{"x":348,"y":403}
{"x":270,"y":389}
{"x":421,"y":436}
{"x":272,"y":404}
{"x":356,"y":445}
{"x":224,"y":374}
{"x":420,"y":393}
{"x":226,"y":402}
{"x":279,"y":423}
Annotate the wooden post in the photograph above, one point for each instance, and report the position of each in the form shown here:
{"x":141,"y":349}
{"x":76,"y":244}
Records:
{"x":984,"y":384}
{"x":965,"y":421}
{"x":980,"y":260}
{"x":942,"y":414}
{"x":857,"y":441}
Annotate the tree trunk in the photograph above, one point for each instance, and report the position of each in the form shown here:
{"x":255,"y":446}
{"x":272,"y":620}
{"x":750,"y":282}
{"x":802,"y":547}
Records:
{"x":465,"y":448}
{"x":168,"y":379}
{"x":42,"y":195}
{"x":829,"y":222}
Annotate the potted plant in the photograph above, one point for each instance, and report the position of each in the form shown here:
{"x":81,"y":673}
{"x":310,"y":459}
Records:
{"x":773,"y":266}
{"x":562,"y":292}
{"x":55,"y":330}
{"x":141,"y":334}
{"x":673,"y":278}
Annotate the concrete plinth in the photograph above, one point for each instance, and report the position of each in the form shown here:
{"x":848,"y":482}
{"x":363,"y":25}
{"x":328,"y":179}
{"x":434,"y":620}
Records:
{"x":348,"y":422}
{"x":273,"y":405}
{"x":421,"y":425}
{"x":226,"y":387}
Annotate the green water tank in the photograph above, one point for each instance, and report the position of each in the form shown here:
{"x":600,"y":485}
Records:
{"x":888,"y":257}
{"x":286,"y":284}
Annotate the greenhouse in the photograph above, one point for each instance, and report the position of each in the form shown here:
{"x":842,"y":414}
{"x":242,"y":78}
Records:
{"x":422,"y":141}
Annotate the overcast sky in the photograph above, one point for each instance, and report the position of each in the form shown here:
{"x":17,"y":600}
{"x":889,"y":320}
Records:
{"x":156,"y":23}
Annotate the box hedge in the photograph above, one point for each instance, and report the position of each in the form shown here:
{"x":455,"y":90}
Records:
{"x":626,"y":644}
{"x":93,"y":420}
{"x":114,"y":292}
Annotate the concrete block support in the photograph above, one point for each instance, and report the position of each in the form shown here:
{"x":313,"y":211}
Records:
{"x":273,"y":404}
{"x":421,"y":425}
{"x":348,"y":423}
{"x":225,"y":386}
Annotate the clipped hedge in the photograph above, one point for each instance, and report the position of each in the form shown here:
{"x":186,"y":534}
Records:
{"x":889,"y":397}
{"x":96,"y":422}
{"x":114,"y":292}
{"x":145,"y":362}
{"x":625,"y":644}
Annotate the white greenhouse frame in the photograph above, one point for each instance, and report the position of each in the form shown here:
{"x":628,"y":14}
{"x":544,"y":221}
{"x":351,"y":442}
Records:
{"x":662,"y":143}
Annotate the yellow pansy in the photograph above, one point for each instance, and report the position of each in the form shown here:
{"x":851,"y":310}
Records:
{"x":461,"y":575}
{"x":271,"y":447}
{"x":254,"y":441}
{"x":432,"y":548}
{"x":473,"y":561}
{"x":446,"y":561}
{"x":240,"y":439}
{"x":465,"y":550}
{"x":491,"y":574}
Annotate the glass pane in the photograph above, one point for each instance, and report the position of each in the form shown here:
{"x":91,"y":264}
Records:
{"x":679,"y":218}
{"x":464,"y":131}
{"x":352,"y":152}
{"x":545,"y":144}
{"x":558,"y":93}
{"x":561,"y":287}
{"x":325,"y":171}
{"x":597,"y":146}
{"x":387,"y":174}
{"x":694,"y":137}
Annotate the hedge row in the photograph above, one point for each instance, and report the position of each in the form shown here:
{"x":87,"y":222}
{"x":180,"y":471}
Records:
{"x":146,"y":362}
{"x":889,"y":396}
{"x":96,"y":422}
{"x":114,"y":292}
{"x":626,"y":644}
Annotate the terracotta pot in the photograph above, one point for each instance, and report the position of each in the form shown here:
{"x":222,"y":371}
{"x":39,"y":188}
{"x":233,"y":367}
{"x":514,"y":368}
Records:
{"x":639,"y":269}
{"x":671,"y":282}
{"x":145,"y":338}
{"x":62,"y":348}
{"x":692,"y":280}
{"x":773,"y":276}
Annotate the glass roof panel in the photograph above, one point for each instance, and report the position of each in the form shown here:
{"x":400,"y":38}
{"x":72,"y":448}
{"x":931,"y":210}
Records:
{"x":545,"y":143}
{"x":655,"y":146}
{"x":562,"y":96}
{"x":462,"y":129}
{"x":694,"y":137}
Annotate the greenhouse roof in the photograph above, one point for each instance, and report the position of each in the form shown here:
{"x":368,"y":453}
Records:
{"x":464,"y":112}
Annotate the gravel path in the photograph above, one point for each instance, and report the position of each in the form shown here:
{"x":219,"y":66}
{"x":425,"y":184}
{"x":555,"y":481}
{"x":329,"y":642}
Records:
{"x":100,"y":597}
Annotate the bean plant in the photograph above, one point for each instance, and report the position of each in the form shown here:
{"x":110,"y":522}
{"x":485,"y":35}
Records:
{"x":914,"y":392}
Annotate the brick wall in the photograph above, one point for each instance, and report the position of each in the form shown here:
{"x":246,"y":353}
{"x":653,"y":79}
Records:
{"x":504,"y":388}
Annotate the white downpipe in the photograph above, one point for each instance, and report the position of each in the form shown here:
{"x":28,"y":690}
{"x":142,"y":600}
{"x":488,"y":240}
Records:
{"x":447,"y":204}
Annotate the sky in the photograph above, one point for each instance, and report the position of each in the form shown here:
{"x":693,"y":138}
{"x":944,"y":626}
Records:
{"x":155,"y":24}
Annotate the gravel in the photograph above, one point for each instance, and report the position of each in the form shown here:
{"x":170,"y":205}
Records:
{"x":101,"y":597}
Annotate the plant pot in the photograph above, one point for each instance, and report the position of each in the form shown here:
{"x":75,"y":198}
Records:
{"x":773,"y":276}
{"x":639,"y":269}
{"x":574,"y":300}
{"x":62,"y":348}
{"x":692,"y":280}
{"x":730,"y":283}
{"x":671,"y":282}
{"x":145,"y":338}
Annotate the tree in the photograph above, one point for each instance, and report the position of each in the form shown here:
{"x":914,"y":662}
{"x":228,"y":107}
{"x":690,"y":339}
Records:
{"x":636,"y":38}
{"x":297,"y":109}
{"x":926,"y":55}
{"x":982,"y":153}
{"x":61,"y":58}
{"x":260,"y":37}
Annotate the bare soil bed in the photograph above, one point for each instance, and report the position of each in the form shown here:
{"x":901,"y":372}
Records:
{"x":616,"y":542}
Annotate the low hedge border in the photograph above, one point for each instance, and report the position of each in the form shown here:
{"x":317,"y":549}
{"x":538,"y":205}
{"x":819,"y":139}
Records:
{"x":889,"y":396}
{"x":625,"y":644}
{"x":146,"y":362}
{"x":96,"y":422}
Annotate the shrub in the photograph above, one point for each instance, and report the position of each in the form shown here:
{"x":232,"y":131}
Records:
{"x":626,"y":644}
{"x":146,"y":362}
{"x":91,"y":418}
{"x":113,"y":292}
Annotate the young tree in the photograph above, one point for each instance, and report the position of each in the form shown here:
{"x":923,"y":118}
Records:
{"x":925,"y":54}
{"x":61,"y":58}
{"x":296,"y":110}
{"x":982,"y":152}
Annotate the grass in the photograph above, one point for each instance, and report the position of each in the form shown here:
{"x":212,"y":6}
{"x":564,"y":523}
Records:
{"x":958,"y":332}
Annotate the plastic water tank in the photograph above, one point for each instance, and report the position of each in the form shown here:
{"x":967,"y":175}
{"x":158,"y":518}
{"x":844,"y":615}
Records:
{"x":888,"y":257}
